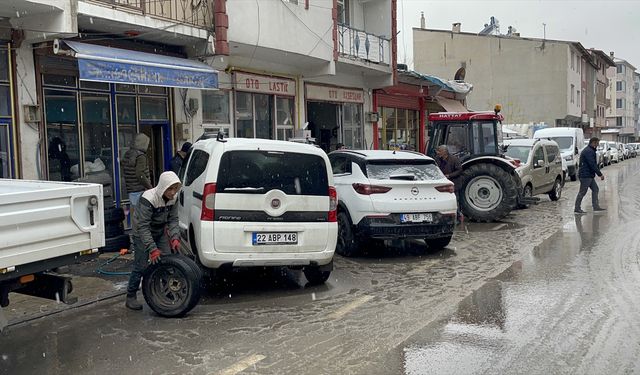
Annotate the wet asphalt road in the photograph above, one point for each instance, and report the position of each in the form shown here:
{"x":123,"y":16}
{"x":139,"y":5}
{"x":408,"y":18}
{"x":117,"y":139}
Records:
{"x":542,"y":292}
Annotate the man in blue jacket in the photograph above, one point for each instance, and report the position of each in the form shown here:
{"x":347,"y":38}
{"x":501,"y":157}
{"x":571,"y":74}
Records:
{"x":587,"y":173}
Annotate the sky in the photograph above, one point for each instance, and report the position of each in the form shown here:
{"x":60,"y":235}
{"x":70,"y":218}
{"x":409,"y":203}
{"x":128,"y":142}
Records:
{"x":605,"y":25}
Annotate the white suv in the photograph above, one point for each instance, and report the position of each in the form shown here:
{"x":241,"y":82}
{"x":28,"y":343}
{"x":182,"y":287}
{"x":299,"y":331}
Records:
{"x":391,"y":195}
{"x":256,"y":202}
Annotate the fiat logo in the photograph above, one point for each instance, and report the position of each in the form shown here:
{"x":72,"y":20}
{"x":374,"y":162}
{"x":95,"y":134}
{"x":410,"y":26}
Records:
{"x":275,"y":203}
{"x":414,"y":190}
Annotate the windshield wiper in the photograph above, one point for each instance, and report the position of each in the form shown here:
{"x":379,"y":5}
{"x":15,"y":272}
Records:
{"x":404,"y":176}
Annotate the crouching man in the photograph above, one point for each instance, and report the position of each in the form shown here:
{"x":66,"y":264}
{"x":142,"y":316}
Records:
{"x":155,"y":230}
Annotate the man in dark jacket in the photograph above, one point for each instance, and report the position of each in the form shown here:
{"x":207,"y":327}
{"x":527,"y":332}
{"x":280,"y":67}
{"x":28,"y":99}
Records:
{"x":136,"y":170}
{"x":587,"y":173}
{"x":449,"y":164}
{"x":176,"y":162}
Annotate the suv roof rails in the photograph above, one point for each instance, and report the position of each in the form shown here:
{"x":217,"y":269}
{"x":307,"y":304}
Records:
{"x":218,"y":136}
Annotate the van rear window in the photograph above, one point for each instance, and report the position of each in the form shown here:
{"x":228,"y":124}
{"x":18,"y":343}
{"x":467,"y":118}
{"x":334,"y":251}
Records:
{"x":258,"y":172}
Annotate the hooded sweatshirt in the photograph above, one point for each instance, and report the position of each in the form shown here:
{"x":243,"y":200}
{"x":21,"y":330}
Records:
{"x":134,"y":166}
{"x":153,"y":214}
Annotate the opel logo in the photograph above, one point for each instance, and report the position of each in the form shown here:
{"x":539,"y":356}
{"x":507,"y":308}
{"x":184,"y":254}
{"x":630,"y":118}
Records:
{"x":414,"y":190}
{"x":275,"y":203}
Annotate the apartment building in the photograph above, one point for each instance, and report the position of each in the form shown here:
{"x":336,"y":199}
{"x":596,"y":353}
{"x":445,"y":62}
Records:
{"x":535,"y":80}
{"x":80,"y":78}
{"x":620,"y":116}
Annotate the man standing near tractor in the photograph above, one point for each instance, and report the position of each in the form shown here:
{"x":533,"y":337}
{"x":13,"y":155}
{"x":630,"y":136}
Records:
{"x":451,"y":168}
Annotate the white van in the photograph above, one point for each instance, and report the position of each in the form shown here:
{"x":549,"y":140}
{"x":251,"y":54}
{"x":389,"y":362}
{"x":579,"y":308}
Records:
{"x":257,"y":202}
{"x":571,"y":143}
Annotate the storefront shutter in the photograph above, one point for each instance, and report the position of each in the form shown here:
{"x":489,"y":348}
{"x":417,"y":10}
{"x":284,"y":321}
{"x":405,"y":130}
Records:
{"x":399,"y":101}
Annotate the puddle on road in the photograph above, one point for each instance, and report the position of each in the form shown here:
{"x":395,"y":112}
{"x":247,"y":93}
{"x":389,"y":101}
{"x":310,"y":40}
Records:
{"x":493,"y":319}
{"x":487,"y":227}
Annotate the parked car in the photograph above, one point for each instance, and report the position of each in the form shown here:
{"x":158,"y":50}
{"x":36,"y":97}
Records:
{"x":571,"y":143}
{"x":616,"y":156}
{"x":606,"y":154}
{"x":631,"y":150}
{"x":385,"y":195}
{"x":256,"y":202}
{"x":622,"y":150}
{"x":541,"y":166}
{"x":599,"y":154}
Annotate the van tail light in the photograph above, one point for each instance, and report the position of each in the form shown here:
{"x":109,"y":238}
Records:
{"x":365,"y":189}
{"x":446,"y":189}
{"x":208,"y":202}
{"x":333,"y":205}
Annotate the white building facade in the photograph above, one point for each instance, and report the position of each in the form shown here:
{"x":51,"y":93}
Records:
{"x":271,"y":68}
{"x":621,"y":122}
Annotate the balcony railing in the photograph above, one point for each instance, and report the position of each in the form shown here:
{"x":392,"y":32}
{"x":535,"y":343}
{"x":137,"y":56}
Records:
{"x":197,"y":13}
{"x":358,"y":44}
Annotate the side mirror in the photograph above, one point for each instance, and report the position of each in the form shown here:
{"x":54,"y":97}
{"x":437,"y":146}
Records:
{"x":538,"y":164}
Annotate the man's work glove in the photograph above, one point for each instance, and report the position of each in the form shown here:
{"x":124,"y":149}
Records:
{"x":175,"y":246}
{"x":154,"y":256}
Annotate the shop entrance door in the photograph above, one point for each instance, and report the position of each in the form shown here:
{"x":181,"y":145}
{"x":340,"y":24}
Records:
{"x":324,"y":123}
{"x":5,"y":156}
{"x":159,"y":151}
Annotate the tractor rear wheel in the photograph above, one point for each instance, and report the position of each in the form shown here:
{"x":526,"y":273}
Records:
{"x":488,"y":193}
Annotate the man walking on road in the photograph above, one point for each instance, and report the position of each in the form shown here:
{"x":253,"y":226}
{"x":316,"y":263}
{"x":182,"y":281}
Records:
{"x":587,"y":173}
{"x":155,"y":230}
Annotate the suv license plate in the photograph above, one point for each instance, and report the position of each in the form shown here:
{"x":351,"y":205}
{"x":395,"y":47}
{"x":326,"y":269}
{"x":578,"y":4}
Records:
{"x":416,"y":218}
{"x":280,"y":238}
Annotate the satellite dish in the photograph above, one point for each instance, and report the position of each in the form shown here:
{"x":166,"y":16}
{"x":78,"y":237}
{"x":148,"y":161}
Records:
{"x":460,"y":74}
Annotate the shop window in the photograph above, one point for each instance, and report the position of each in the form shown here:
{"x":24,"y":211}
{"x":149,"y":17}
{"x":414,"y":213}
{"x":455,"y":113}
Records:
{"x":90,"y":85}
{"x":5,"y":171}
{"x":5,"y":101}
{"x":121,"y":87}
{"x":352,"y":133}
{"x":96,"y":131}
{"x":152,"y":90}
{"x":153,"y":108}
{"x":4,"y":64}
{"x":59,"y":80}
{"x":244,"y":115}
{"x":399,"y":129}
{"x":127,"y":129}
{"x":284,"y":117}
{"x":456,"y":140}
{"x":264,"y":128}
{"x":215,"y":107}
{"x":484,"y":138}
{"x":61,"y":116}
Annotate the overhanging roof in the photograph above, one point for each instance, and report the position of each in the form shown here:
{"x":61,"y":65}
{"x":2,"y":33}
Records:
{"x":107,"y":64}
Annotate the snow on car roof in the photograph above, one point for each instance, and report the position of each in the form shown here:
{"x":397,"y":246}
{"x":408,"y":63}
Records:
{"x":260,"y":144}
{"x":385,"y":154}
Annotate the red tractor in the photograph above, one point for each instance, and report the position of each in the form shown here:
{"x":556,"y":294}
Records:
{"x":489,"y":187}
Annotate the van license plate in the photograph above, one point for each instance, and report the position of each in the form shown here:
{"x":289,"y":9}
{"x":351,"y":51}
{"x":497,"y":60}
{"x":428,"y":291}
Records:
{"x":416,"y":218}
{"x":280,"y":238}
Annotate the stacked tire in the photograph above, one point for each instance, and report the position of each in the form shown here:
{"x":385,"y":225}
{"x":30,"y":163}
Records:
{"x":115,"y":237}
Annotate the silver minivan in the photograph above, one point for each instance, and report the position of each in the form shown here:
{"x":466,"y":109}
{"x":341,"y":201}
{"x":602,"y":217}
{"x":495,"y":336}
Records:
{"x":540,"y":166}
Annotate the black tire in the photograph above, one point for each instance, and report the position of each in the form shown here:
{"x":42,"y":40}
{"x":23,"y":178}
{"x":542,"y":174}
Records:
{"x":556,"y":192}
{"x":488,"y":192}
{"x":437,"y":243}
{"x":113,"y":230}
{"x":114,"y":244}
{"x":527,"y":192}
{"x":173,"y":286}
{"x":573,"y":177}
{"x":347,"y":244}
{"x":113,"y":215}
{"x":315,"y":276}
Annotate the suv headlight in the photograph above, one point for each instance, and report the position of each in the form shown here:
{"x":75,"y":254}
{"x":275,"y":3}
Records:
{"x":568,"y":158}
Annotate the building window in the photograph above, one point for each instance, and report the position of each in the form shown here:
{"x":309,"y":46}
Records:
{"x":618,"y":121}
{"x":61,"y":121}
{"x":573,"y":57}
{"x":620,"y":68}
{"x":343,"y":12}
{"x":572,"y":95}
{"x":256,"y":115}
{"x":619,"y":103}
{"x":578,"y":101}
{"x":215,"y":107}
{"x":620,"y":86}
{"x":399,"y":129}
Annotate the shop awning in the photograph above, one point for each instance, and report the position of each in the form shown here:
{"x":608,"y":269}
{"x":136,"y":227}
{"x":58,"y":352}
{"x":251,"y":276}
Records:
{"x":106,"y":64}
{"x":451,"y":105}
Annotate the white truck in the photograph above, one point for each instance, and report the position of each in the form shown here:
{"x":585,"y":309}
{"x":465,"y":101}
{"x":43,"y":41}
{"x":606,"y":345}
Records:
{"x":45,"y":225}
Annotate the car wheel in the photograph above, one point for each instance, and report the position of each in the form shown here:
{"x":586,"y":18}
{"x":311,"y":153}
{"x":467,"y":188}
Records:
{"x":315,"y":276}
{"x":347,"y":244}
{"x":438,"y":243}
{"x":556,"y":192}
{"x":172,"y":287}
{"x":527,"y":192}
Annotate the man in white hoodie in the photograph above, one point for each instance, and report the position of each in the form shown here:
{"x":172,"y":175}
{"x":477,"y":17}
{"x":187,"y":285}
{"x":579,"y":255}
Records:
{"x":155,"y":230}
